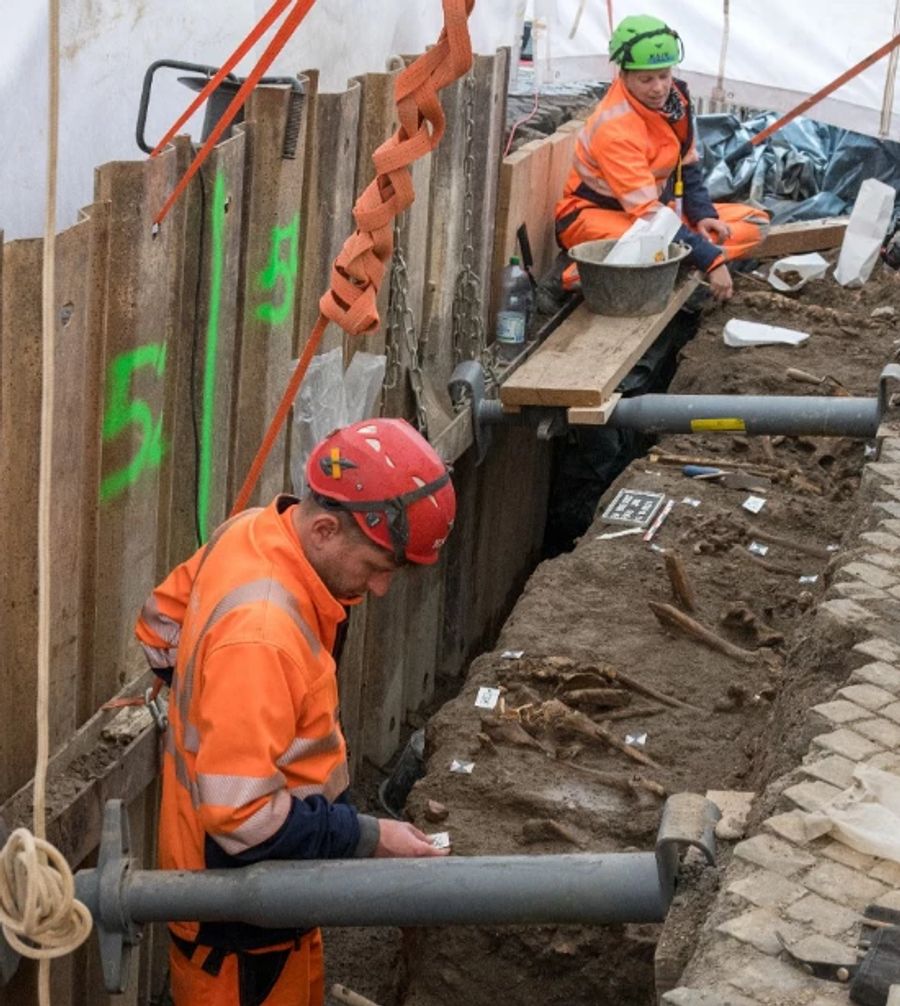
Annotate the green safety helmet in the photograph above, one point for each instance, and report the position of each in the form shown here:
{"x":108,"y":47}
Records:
{"x":642,"y":42}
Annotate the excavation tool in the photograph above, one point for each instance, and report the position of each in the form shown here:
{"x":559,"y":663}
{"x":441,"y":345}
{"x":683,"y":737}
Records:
{"x":754,"y":415}
{"x":804,"y":377}
{"x":581,"y":888}
{"x":731,"y":480}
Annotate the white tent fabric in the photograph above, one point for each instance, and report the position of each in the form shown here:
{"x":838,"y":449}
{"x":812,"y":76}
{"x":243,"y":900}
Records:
{"x":775,"y":53}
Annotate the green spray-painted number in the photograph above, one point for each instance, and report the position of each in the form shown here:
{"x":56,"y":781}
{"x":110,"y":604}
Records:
{"x":280,"y":270}
{"x":217,"y":268}
{"x":123,"y":411}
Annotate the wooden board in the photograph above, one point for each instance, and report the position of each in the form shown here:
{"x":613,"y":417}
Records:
{"x":582,"y":362}
{"x":326,"y":213}
{"x":267,"y":304}
{"x":596,"y":416}
{"x":803,"y":236}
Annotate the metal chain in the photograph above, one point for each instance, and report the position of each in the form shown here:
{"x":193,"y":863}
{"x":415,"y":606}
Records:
{"x":469,"y":338}
{"x":401,"y":322}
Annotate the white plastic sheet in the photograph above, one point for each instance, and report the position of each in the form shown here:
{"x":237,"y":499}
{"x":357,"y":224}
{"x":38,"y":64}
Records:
{"x":866,"y":816}
{"x":646,"y":240}
{"x":865,"y":232}
{"x":740,"y":333}
{"x":807,"y":267}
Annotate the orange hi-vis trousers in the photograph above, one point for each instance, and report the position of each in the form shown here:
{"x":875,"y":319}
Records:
{"x":300,"y":983}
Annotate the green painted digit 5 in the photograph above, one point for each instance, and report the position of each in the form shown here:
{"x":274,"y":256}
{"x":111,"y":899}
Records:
{"x":123,"y":411}
{"x":283,"y":270}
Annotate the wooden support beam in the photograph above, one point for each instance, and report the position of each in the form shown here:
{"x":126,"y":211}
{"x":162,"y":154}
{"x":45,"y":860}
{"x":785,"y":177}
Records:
{"x":582,"y":362}
{"x":803,"y":236}
{"x":596,"y":416}
{"x":86,"y":772}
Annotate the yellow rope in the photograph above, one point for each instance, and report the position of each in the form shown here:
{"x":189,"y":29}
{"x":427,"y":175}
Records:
{"x":39,"y":914}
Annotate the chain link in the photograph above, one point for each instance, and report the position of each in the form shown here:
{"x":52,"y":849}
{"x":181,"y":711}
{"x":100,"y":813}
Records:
{"x":469,"y":336}
{"x":402,"y":324}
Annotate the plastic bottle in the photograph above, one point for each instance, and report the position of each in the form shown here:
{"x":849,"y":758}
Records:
{"x":514,"y":311}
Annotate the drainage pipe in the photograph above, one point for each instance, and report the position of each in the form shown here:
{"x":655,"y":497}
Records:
{"x":783,"y":415}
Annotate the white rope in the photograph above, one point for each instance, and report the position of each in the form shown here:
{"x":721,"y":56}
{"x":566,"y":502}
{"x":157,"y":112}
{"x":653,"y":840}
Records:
{"x":39,"y":914}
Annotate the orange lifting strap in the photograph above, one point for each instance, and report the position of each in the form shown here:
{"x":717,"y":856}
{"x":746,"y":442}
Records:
{"x":359,"y":269}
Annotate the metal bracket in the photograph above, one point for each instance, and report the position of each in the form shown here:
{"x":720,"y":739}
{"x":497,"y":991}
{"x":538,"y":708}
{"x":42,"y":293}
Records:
{"x":102,"y":890}
{"x":885,"y":400}
{"x":158,"y":708}
{"x":688,"y":820}
{"x":467,"y":386}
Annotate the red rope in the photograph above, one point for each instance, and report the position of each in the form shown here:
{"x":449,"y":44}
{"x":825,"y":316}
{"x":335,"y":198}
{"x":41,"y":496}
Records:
{"x":288,"y":27}
{"x":359,"y":268}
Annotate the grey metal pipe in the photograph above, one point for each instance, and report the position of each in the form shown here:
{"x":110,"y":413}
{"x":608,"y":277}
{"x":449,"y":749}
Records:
{"x":486,"y":890}
{"x":783,"y":415}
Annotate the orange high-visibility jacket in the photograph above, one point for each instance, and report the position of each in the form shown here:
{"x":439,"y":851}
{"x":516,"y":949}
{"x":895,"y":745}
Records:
{"x":625,"y":161}
{"x":255,"y":762}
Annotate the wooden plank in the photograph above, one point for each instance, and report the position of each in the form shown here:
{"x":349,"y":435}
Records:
{"x":597,"y":416}
{"x":445,"y":237}
{"x":20,"y":395}
{"x":267,"y":302}
{"x":582,"y":362}
{"x":802,"y":236}
{"x":142,"y":306}
{"x":377,"y":121}
{"x":327,"y":217}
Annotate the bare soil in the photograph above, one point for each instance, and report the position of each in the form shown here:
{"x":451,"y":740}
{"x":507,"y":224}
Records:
{"x":584,"y":616}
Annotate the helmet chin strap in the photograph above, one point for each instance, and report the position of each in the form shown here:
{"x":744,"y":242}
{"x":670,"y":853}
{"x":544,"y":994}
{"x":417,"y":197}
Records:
{"x":393,"y":508}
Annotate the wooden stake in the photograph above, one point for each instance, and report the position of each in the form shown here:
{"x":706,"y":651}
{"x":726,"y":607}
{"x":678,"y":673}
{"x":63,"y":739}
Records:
{"x":660,"y":457}
{"x":681,"y":585}
{"x":672,"y":618}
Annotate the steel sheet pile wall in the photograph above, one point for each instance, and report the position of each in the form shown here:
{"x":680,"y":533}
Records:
{"x":172,"y":350}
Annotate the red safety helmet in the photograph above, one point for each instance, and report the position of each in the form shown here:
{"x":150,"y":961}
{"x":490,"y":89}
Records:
{"x":392,"y":481}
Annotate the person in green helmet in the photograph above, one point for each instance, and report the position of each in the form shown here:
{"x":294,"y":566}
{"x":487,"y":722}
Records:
{"x":637,"y":153}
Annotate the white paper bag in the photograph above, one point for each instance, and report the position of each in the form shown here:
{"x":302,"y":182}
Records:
{"x":753,"y":333}
{"x":807,"y":267}
{"x":865,"y":232}
{"x":645,"y":239}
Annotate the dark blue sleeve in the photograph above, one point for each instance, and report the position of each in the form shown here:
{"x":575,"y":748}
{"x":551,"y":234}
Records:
{"x":314,"y":829}
{"x":703,"y":253}
{"x":696,"y":203}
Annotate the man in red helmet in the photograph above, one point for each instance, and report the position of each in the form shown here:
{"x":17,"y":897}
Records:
{"x":255,"y":763}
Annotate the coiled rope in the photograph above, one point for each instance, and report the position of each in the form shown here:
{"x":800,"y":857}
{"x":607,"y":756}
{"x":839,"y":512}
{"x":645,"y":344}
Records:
{"x":39,"y":914}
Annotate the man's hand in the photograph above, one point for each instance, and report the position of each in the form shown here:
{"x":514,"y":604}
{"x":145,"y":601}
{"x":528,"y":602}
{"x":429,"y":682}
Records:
{"x":720,"y":284}
{"x":399,"y":839}
{"x":713,"y":229}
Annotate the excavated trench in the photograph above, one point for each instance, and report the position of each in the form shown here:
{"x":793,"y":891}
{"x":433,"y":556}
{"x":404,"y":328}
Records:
{"x":584,"y":623}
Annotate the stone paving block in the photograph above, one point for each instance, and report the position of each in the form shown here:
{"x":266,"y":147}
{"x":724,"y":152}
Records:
{"x":708,"y":996}
{"x":882,"y":539}
{"x":889,"y":900}
{"x":892,"y":508}
{"x":890,"y":490}
{"x":868,"y":696}
{"x":823,"y":948}
{"x":766,"y":889}
{"x":892,"y":712}
{"x":773,"y":854}
{"x":849,"y":744}
{"x":841,"y":884}
{"x":845,"y":611}
{"x":874,"y":576}
{"x":879,"y":673}
{"x":789,"y":826}
{"x":856,"y":590}
{"x":812,"y":795}
{"x":884,"y":559}
{"x":890,"y":524}
{"x":769,"y":980}
{"x":841,"y":853}
{"x":880,"y":730}
{"x":734,"y":806}
{"x":757,"y":928}
{"x":879,"y":649}
{"x":888,"y":470}
{"x":887,"y":871}
{"x":834,"y":769}
{"x":840,"y":711}
{"x":825,"y":916}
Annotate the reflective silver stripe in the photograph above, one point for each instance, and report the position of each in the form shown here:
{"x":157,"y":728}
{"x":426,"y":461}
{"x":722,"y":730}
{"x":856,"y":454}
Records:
{"x":662,"y":173}
{"x":246,"y":593}
{"x":637,"y":197}
{"x":593,"y":181}
{"x":168,"y":630}
{"x":586,"y":136}
{"x":306,"y":747}
{"x":191,"y":738}
{"x":159,"y":658}
{"x":236,"y":790}
{"x":259,"y":827}
{"x":337,"y":781}
{"x":181,"y":770}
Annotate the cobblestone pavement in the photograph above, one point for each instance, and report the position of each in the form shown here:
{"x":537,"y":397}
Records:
{"x":812,"y":892}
